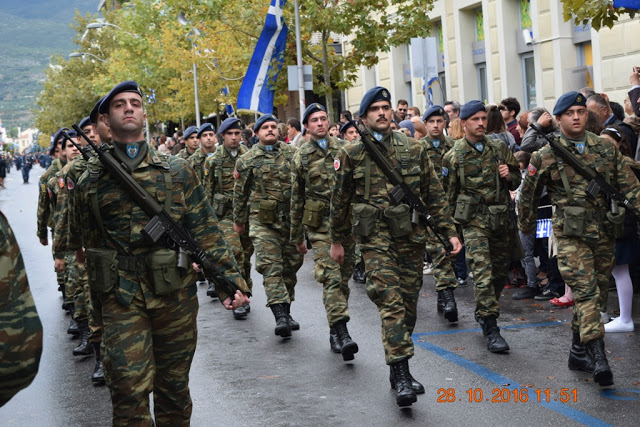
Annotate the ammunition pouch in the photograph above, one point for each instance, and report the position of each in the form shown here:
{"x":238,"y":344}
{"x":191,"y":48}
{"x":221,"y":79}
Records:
{"x":221,"y":204}
{"x":162,"y":267}
{"x":616,"y":222}
{"x":364,"y":219}
{"x":575,"y":218}
{"x":314,"y":213}
{"x":498,"y":217}
{"x":102,"y":270}
{"x":465,"y":209}
{"x":267,"y":211}
{"x":399,"y":220}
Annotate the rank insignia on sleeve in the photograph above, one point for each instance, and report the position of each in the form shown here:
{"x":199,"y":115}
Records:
{"x":445,"y":172}
{"x":336,"y":164}
{"x":43,"y":187}
{"x":236,"y":175}
{"x":206,"y":172}
{"x":532,"y":170}
{"x":61,"y":182}
{"x":70,"y":184}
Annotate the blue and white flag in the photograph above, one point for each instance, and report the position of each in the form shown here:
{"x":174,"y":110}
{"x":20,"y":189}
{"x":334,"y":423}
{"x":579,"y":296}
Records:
{"x":228,"y":108}
{"x":430,"y":84}
{"x":629,"y":4}
{"x":256,"y":92}
{"x":543,"y":228}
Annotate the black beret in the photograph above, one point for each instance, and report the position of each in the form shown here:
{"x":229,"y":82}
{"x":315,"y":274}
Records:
{"x":230,"y":123}
{"x":262,"y":120}
{"x":313,"y":108}
{"x":85,"y":122}
{"x":58,"y":135}
{"x":94,"y":111}
{"x":568,"y":100}
{"x":72,"y":133}
{"x":375,"y":94}
{"x":345,"y":126}
{"x":207,"y":127}
{"x":127,"y":86}
{"x":436,"y":110}
{"x":470,"y":108}
{"x":189,"y":131}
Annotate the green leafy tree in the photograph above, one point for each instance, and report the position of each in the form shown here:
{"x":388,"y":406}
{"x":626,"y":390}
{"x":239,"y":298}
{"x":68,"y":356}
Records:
{"x":600,"y":13}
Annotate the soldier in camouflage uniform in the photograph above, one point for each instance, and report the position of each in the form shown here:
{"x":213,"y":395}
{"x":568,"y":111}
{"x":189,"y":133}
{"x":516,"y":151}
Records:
{"x":392,"y":247}
{"x":312,"y":182}
{"x":218,"y":186}
{"x":148,"y":309}
{"x":191,"y":143}
{"x":261,"y":196}
{"x":437,"y":145}
{"x":584,"y":227}
{"x":20,"y":327}
{"x":207,"y":137}
{"x":479,"y":173}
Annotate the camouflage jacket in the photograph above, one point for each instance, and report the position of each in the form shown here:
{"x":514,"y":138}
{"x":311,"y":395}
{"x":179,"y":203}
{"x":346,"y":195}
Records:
{"x":351,"y":187}
{"x":218,"y":173}
{"x":45,"y":216}
{"x":312,"y":179}
{"x":479,"y":172}
{"x":66,"y":198}
{"x":104,"y":201}
{"x":544,"y":169}
{"x":436,"y":149}
{"x":262,"y":175}
{"x":184,"y":153}
{"x":196,"y":160}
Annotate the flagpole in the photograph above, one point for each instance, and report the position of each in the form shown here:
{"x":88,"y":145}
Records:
{"x":303,"y":101}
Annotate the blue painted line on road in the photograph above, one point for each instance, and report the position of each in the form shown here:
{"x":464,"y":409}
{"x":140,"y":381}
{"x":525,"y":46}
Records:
{"x":460,"y":331}
{"x":613,"y":394}
{"x":501,"y":380}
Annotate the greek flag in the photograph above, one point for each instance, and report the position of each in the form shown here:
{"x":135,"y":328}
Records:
{"x":629,"y":4}
{"x":543,"y":228}
{"x":430,"y":84}
{"x":256,"y":93}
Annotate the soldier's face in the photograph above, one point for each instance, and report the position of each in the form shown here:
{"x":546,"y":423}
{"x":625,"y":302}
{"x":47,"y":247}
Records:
{"x":351,"y":134}
{"x":318,"y":125}
{"x":192,"y":142}
{"x":435,"y":126}
{"x":475,"y":126}
{"x":102,"y":131}
{"x":573,"y":121}
{"x":126,"y":116}
{"x":88,"y":130}
{"x":268,"y":133}
{"x":232,"y":139}
{"x":379,"y":116}
{"x":208,"y":139}
{"x":70,"y":151}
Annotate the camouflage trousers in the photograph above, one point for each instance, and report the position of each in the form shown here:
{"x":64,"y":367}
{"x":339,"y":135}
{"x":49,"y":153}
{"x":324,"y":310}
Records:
{"x":444,"y":267}
{"x":150,"y":350}
{"x":83,"y":303}
{"x":276,"y":259}
{"x":333,"y":276}
{"x":394,"y":280}
{"x":69,"y":277}
{"x":586,"y":265}
{"x":488,"y":257}
{"x":241,"y":247}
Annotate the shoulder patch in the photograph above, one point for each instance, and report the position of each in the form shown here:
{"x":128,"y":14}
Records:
{"x":445,"y":171}
{"x":61,"y":182}
{"x":532,"y":170}
{"x":336,"y":164}
{"x":70,"y":184}
{"x":236,"y":174}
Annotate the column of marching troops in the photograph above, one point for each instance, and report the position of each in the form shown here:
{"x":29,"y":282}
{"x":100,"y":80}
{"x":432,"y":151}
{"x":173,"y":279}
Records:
{"x":132,"y":305}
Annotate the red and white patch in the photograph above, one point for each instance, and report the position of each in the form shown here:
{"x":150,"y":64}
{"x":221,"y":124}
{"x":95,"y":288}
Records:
{"x":70,"y":184}
{"x":336,"y":164}
{"x":61,"y":182}
{"x":532,"y":170}
{"x":236,"y":175}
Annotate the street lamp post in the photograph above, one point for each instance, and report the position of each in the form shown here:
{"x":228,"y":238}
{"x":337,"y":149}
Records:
{"x":301,"y":95}
{"x":183,"y":20}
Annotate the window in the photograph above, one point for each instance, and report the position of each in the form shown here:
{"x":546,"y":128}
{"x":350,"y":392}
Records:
{"x":529,"y":81}
{"x":482,"y":81}
{"x":442,"y":79}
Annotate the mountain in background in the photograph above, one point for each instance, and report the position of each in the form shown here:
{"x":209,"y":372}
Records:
{"x":30,"y":32}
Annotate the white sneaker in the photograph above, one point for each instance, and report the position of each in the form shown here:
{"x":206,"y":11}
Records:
{"x":616,"y":325}
{"x":428,"y":268}
{"x":605,"y":317}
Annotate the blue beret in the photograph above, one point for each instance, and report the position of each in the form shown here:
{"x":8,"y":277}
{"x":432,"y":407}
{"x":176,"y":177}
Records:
{"x":408,"y":124}
{"x":567,"y":100}
{"x":206,"y":127}
{"x":72,"y":133}
{"x":313,"y":108}
{"x":470,"y":108}
{"x":262,"y":120}
{"x":94,"y":111}
{"x":58,"y":135}
{"x":189,"y":131}
{"x":375,"y":94}
{"x":85,"y":122}
{"x":345,"y":126}
{"x":436,"y":110}
{"x":230,"y":123}
{"x":127,"y":86}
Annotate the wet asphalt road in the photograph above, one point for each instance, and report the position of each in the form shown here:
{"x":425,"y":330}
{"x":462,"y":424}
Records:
{"x":243,"y":374}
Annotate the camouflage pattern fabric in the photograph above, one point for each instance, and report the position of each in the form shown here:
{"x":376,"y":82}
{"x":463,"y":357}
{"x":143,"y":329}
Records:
{"x":586,"y":261}
{"x":196,"y":160}
{"x":44,"y":203}
{"x":184,"y":154}
{"x":393,"y":265}
{"x":20,"y":327}
{"x":312,"y":161}
{"x":488,"y":253}
{"x":276,"y":257}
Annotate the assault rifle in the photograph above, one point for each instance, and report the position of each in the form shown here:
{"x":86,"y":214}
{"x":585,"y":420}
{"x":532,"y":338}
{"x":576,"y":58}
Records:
{"x":597,"y":183}
{"x":401,"y":193}
{"x":161,"y":226}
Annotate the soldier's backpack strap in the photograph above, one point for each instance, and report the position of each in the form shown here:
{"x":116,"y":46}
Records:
{"x":168,"y":186}
{"x":460,"y":155}
{"x":565,"y":181}
{"x":403,"y":154}
{"x":305,"y":165}
{"x":94,"y":174}
{"x":259,"y":178}
{"x":367,"y":176}
{"x":603,"y":153}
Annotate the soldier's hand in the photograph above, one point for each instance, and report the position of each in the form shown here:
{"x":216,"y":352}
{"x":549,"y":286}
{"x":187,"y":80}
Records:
{"x":196,"y":267}
{"x":634,"y":77}
{"x":337,"y":253}
{"x":44,"y":241}
{"x":503,"y":170}
{"x":238,"y":228}
{"x":239,"y":300}
{"x":58,"y":265}
{"x":301,"y":247}
{"x":457,"y":246}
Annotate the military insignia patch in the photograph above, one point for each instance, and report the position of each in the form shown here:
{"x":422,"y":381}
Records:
{"x":322,"y":144}
{"x":479,"y":146}
{"x":70,"y":184}
{"x":236,"y":175}
{"x":385,"y":94}
{"x":336,"y":164}
{"x":532,"y":170}
{"x":377,"y":136}
{"x":436,"y":143}
{"x":580,"y":148}
{"x":132,"y":150}
{"x":206,"y":172}
{"x":579,"y":98}
{"x":445,"y":172}
{"x":43,"y":187}
{"x":61,"y":182}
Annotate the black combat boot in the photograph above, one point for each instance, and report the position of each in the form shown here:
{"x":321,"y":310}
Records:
{"x":294,"y":325}
{"x":73,"y":326}
{"x":97,"y":378}
{"x":211,"y":291}
{"x":85,"y":348}
{"x":349,"y":347}
{"x":601,"y":371}
{"x":480,"y":321}
{"x":415,"y":385}
{"x":334,"y":341}
{"x":358,"y":273}
{"x":579,"y":357}
{"x":247,"y":307}
{"x":240,"y":313}
{"x":449,"y":306}
{"x":405,"y":395}
{"x":283,"y":328}
{"x":495,"y":342}
{"x":440,"y":302}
